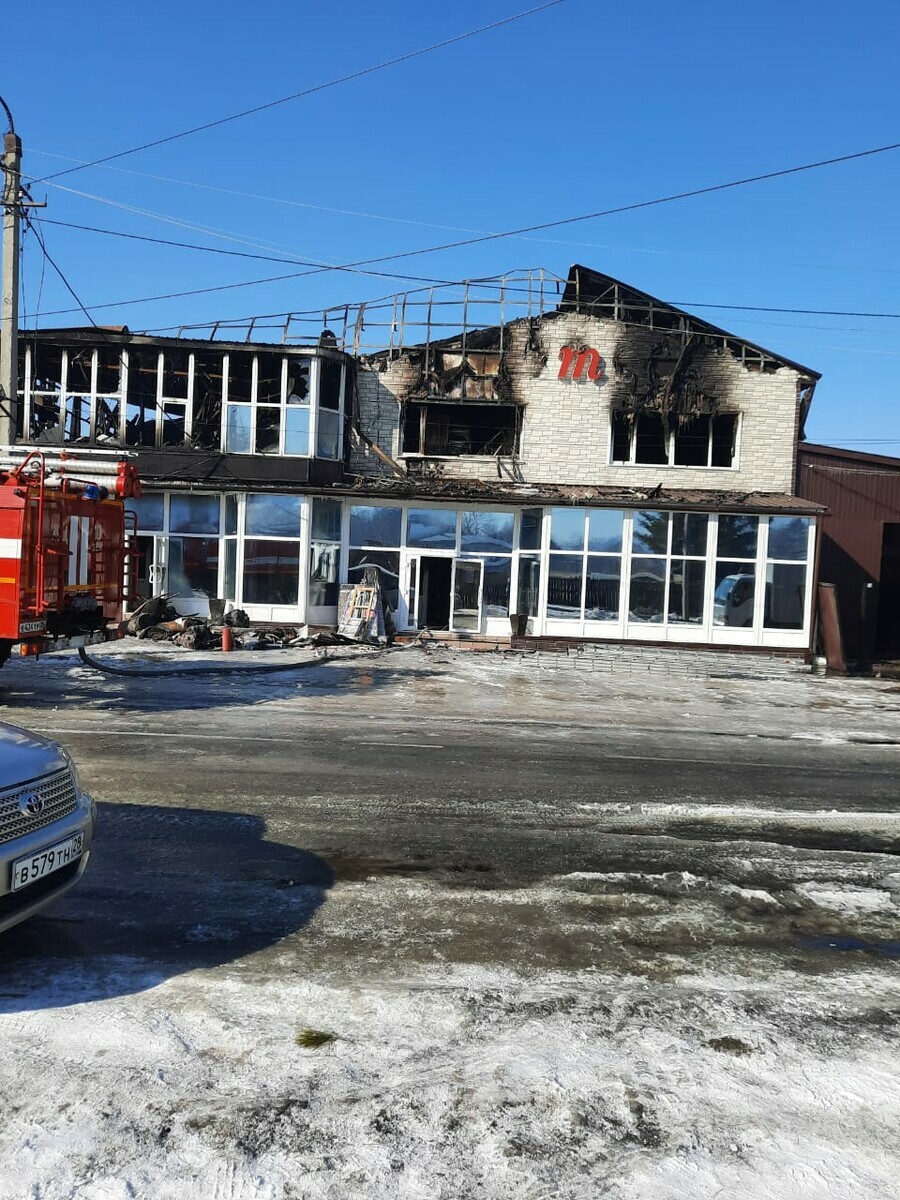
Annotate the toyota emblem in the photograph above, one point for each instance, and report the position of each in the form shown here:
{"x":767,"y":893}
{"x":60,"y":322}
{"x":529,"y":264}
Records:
{"x":31,"y":804}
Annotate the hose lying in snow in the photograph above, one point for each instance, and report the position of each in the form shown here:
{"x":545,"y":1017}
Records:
{"x":138,"y":673}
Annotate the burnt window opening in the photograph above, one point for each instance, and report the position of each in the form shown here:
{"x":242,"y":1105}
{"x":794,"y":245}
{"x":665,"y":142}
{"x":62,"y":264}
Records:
{"x":141,"y":409}
{"x":460,"y":429}
{"x":208,"y":379}
{"x":707,"y":441}
{"x":644,"y":439}
{"x":639,"y":438}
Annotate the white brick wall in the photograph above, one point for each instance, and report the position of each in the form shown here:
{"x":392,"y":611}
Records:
{"x":567,"y":423}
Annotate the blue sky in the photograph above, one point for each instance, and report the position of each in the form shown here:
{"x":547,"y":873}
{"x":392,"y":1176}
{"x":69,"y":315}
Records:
{"x":581,"y":107}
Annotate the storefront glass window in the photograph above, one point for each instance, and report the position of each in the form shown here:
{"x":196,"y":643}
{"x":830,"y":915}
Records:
{"x":296,"y":429}
{"x":495,"y":586}
{"x":737,"y":536}
{"x":651,"y":533}
{"x":735,"y":594}
{"x":150,"y":512}
{"x":324,"y":553}
{"x":193,"y":566}
{"x":273,"y":515}
{"x":564,"y":580}
{"x":605,"y":529}
{"x":491,"y":531}
{"x":788,"y":538}
{"x":271,"y":571}
{"x":326,"y":520}
{"x":602,"y":586}
{"x":387,"y":564}
{"x":646,"y":600}
{"x":529,"y":584}
{"x":567,"y":529}
{"x":785,"y":595}
{"x":194,"y":514}
{"x":431,"y":529}
{"x":530,"y":529}
{"x":375,"y":525}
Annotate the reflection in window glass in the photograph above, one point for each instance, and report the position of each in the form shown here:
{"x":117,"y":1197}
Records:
{"x":296,"y":430}
{"x":530,"y":529}
{"x":486,"y":531}
{"x":230,"y":569}
{"x":273,"y":515}
{"x":648,"y":587}
{"x":193,"y":566}
{"x":734,"y":595}
{"x":689,"y":533}
{"x":328,"y":438}
{"x":271,"y":572}
{"x":785,"y":595}
{"x":237,"y":429}
{"x":387,"y":564}
{"x":567,"y":529}
{"x":432,"y":528}
{"x":231,"y":514}
{"x":605,"y":529}
{"x":374,"y":525}
{"x":467,"y":578}
{"x":602,"y":587}
{"x":737,"y":536}
{"x":564,"y":586}
{"x":326,"y":520}
{"x":687,"y":577}
{"x":529,"y":584}
{"x":788,"y":538}
{"x":323,"y":574}
{"x":149,"y":511}
{"x":651,"y":533}
{"x":194,"y":514}
{"x":495,"y":586}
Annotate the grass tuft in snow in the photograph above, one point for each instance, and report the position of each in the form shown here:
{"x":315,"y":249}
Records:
{"x":312,"y":1039}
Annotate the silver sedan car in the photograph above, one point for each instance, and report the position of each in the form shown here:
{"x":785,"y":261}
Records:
{"x":46,"y":824}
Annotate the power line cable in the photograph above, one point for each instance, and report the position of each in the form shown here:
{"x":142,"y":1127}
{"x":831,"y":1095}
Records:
{"x":489,"y":237}
{"x":821,"y":312}
{"x":349,"y":212}
{"x":310,"y":91}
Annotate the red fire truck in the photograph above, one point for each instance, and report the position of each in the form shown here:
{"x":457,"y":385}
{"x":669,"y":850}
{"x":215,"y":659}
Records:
{"x":64,"y":538}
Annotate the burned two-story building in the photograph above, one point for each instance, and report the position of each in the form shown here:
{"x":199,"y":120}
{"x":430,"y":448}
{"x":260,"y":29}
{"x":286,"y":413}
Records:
{"x":588,"y":463}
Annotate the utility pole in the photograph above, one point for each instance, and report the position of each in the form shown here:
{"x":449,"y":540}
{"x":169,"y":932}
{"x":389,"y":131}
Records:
{"x":9,"y":284}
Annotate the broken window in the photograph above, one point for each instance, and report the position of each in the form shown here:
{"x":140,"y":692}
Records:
{"x":704,"y":441}
{"x":141,"y":406}
{"x":46,"y":392}
{"x":268,"y":407}
{"x":206,"y":429}
{"x":460,"y":429}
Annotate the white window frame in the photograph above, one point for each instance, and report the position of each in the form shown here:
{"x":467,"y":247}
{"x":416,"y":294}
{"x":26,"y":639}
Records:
{"x":670,"y":447}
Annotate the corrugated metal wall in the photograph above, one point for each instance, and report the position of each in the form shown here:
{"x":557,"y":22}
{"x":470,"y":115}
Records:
{"x":862,"y":494}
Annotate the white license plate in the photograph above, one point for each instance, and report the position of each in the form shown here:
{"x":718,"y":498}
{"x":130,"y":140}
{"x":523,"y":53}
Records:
{"x":45,"y":862}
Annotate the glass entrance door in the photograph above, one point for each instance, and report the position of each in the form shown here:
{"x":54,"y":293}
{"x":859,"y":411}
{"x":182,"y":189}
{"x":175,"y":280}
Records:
{"x":465,"y":615}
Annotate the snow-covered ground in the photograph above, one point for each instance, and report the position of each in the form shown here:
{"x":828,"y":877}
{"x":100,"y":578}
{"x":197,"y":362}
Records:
{"x":695,"y":997}
{"x":458,"y":1083}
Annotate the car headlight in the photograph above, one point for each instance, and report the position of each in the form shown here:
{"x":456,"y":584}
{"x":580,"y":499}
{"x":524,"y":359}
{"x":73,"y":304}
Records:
{"x":70,"y":763}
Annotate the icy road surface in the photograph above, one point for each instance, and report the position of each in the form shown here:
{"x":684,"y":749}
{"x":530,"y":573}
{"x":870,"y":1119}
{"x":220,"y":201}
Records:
{"x":573,"y":935}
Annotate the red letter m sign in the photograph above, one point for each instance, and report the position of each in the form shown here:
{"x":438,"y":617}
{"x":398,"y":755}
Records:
{"x":572,"y":363}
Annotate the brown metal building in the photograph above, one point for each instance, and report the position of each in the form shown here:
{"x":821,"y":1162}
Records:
{"x":860,"y":549}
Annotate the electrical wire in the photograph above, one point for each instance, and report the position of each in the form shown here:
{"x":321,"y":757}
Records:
{"x":349,"y":212}
{"x":622,"y":208}
{"x":310,"y":91}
